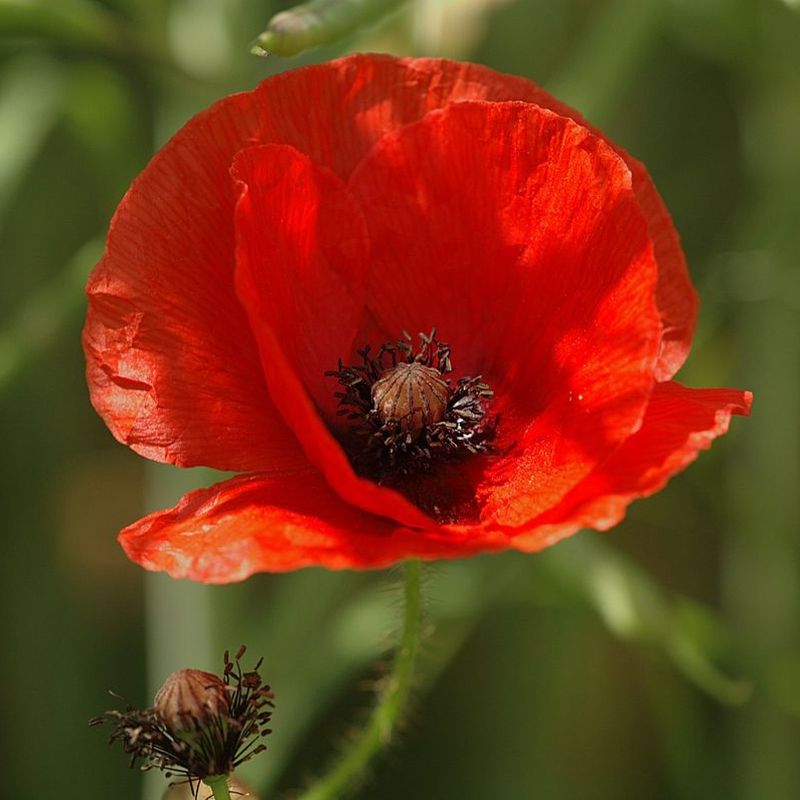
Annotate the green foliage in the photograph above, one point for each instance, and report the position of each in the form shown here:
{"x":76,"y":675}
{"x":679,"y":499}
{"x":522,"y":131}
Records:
{"x":659,"y":661}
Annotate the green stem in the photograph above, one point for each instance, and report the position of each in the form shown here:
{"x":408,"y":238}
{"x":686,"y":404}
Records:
{"x":219,"y":787}
{"x":380,"y":727}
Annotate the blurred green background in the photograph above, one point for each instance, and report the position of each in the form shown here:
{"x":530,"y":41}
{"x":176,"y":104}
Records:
{"x":660,"y":661}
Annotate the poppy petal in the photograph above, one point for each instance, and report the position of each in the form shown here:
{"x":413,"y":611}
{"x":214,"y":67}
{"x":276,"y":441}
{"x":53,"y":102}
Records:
{"x":679,"y":423}
{"x":675,"y":294}
{"x":161,"y":301}
{"x":258,"y":523}
{"x":255,"y":523}
{"x":303,"y":253}
{"x":516,"y":233}
{"x":302,"y":283}
{"x":172,"y":365}
{"x":337,"y":111}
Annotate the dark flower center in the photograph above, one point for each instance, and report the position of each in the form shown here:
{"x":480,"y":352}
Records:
{"x":406,"y":415}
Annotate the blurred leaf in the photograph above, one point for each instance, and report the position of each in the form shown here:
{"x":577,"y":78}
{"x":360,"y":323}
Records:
{"x":72,"y":23}
{"x":607,"y":60}
{"x":201,"y":21}
{"x":108,"y":120}
{"x":30,"y":102}
{"x":696,"y":641}
{"x":318,"y":23}
{"x":41,"y":319}
{"x":635,"y":608}
{"x":781,"y":682}
{"x":718,"y":29}
{"x":451,"y":28}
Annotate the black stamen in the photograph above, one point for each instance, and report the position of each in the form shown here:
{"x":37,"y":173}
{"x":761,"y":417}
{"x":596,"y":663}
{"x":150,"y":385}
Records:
{"x":431,"y":421}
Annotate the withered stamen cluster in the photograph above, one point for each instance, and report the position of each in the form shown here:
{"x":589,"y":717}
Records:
{"x":201,"y":725}
{"x":408,"y":414}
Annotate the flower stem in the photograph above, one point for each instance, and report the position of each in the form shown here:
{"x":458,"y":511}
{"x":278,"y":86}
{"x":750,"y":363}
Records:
{"x":378,"y":731}
{"x":219,"y":787}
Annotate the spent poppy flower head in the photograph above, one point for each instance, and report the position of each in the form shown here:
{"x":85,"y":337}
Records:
{"x":200,"y":726}
{"x":424,"y":307}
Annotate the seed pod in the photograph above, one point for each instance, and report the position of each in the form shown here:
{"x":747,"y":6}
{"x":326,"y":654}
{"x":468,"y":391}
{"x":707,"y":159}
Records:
{"x":190,"y":699}
{"x":318,"y":22}
{"x":412,"y":395}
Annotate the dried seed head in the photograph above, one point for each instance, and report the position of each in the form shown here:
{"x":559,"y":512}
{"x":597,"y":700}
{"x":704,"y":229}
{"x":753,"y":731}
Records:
{"x":190,"y":699}
{"x":202,"y":725}
{"x":413,"y":395}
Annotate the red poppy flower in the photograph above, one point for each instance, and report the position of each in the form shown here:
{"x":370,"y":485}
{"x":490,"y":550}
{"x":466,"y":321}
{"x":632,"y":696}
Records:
{"x":284,"y":230}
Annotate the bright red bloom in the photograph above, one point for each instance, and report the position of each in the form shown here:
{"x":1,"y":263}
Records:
{"x":336,"y":206}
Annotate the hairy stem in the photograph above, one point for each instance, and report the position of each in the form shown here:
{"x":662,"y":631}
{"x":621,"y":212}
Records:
{"x":380,"y":727}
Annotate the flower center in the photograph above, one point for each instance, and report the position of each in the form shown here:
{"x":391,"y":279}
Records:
{"x":405,"y":414}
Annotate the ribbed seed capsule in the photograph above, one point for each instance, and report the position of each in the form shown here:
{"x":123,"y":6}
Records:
{"x":190,"y":698}
{"x":413,"y":395}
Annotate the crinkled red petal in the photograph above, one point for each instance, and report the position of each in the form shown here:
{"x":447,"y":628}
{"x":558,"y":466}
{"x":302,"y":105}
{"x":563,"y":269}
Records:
{"x":302,"y":256}
{"x":172,"y":365}
{"x":515,"y":232}
{"x":170,"y":357}
{"x":260,"y":524}
{"x":335,"y":112}
{"x":675,"y":294}
{"x":680,"y":422}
